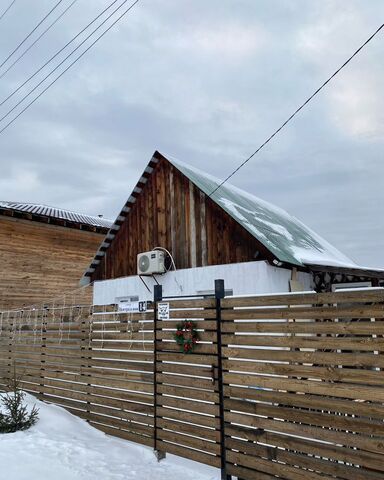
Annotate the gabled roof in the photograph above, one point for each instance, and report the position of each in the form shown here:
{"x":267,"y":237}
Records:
{"x":282,"y":234}
{"x":288,"y":239}
{"x":37,"y":211}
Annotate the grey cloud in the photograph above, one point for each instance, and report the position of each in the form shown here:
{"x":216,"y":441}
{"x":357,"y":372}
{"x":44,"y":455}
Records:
{"x":207,"y":82}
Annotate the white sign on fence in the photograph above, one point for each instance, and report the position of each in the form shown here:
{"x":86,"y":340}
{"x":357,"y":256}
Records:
{"x":163,"y":311}
{"x":133,"y":307}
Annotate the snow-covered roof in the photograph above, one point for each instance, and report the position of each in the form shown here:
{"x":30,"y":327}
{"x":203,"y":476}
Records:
{"x":281,"y":233}
{"x":58,"y":213}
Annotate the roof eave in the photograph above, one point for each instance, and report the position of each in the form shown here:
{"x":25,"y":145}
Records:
{"x":353,"y":271}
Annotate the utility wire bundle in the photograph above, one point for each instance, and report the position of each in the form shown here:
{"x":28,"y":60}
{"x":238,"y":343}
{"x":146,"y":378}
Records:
{"x":87,"y":37}
{"x":56,"y":66}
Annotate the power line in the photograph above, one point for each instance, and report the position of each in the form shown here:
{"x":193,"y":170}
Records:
{"x":30,"y":33}
{"x":57,"y":53}
{"x":297,"y":110}
{"x":70,"y":65}
{"x":6,"y":10}
{"x":38,"y":38}
{"x":63,"y":61}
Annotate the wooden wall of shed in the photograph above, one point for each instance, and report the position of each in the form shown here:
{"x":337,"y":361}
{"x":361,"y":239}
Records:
{"x":171,"y":212}
{"x":40,"y":261}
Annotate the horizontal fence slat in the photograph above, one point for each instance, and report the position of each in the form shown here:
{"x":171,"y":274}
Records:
{"x":307,"y":313}
{"x":305,"y":356}
{"x":307,"y":327}
{"x":364,"y":295}
{"x":334,"y":374}
{"x":313,"y":402}
{"x":351,"y":391}
{"x":196,"y":455}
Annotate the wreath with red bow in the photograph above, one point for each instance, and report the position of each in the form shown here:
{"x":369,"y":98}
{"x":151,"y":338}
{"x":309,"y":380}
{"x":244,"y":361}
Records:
{"x":186,"y":336}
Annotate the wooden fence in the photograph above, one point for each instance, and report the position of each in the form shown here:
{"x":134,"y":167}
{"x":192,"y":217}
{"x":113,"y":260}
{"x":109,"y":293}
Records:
{"x":304,"y":385}
{"x":288,"y":386}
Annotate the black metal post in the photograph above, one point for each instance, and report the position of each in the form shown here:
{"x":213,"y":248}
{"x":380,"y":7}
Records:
{"x":157,"y":297}
{"x":219,"y":295}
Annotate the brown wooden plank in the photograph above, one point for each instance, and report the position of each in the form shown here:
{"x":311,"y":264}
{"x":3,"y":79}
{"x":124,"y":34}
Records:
{"x":312,"y":447}
{"x":189,"y":359}
{"x":364,"y":442}
{"x":371,"y":295}
{"x":186,"y":382}
{"x":328,"y":343}
{"x":189,"y":405}
{"x":188,"y":441}
{"x":320,"y":419}
{"x":329,"y":373}
{"x":320,"y":358}
{"x":351,"y":391}
{"x":303,"y":461}
{"x":188,"y":393}
{"x":313,"y":402}
{"x":310,"y":327}
{"x":360,"y":311}
{"x":187,"y":428}
{"x":196,"y":455}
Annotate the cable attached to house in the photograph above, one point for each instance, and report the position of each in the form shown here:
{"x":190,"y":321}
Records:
{"x":297,"y":110}
{"x":170,"y":256}
{"x":172,"y":264}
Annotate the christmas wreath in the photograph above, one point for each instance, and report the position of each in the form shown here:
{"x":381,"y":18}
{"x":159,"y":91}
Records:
{"x":186,"y":336}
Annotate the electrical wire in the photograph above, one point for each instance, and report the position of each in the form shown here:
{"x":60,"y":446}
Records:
{"x":57,"y":53}
{"x":37,"y":39}
{"x":67,"y":68}
{"x":170,"y":256}
{"x":31,"y":32}
{"x":6,"y":10}
{"x":297,"y":110}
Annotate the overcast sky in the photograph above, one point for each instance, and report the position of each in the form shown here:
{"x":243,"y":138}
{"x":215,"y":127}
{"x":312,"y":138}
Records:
{"x":206,"y":82}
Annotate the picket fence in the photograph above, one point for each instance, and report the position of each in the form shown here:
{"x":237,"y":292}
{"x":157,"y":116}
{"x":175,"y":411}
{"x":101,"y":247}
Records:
{"x":281,"y":386}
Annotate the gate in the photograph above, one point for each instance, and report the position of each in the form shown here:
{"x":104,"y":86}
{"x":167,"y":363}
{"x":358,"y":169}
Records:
{"x":187,"y":386}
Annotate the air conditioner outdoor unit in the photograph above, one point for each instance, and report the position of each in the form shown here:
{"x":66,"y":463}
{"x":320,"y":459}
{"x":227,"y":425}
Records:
{"x":149,"y":263}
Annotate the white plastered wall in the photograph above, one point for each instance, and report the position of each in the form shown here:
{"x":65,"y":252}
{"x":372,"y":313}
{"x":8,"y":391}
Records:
{"x":247,"y":278}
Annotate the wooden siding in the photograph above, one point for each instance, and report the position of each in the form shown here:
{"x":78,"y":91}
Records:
{"x":172,"y":213}
{"x":40,"y":261}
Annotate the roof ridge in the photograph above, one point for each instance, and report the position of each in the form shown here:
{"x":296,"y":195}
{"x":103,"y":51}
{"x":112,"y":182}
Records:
{"x":32,"y":204}
{"x":57,"y":212}
{"x":286,"y":237}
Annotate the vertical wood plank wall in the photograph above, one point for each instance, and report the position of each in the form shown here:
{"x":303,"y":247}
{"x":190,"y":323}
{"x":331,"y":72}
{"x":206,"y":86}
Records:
{"x":170,"y":212}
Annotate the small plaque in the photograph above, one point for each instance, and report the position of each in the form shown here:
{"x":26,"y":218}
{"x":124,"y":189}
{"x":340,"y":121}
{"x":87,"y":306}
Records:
{"x":163,"y":311}
{"x":133,"y":307}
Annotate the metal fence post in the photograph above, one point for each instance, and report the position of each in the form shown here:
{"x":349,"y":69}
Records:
{"x":219,"y":295}
{"x":157,"y":297}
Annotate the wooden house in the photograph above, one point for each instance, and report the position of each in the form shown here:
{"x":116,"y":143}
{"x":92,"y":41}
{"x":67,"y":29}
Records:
{"x":43,"y":251}
{"x":179,"y":208}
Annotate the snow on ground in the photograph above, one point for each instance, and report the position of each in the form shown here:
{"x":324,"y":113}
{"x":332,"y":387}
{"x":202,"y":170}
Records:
{"x":64,"y":447}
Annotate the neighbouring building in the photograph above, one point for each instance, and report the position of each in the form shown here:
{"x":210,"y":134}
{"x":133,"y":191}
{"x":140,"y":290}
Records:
{"x":213,"y":233}
{"x":43,"y":251}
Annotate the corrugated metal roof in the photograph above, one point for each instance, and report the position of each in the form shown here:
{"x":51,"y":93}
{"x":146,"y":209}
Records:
{"x":60,"y":213}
